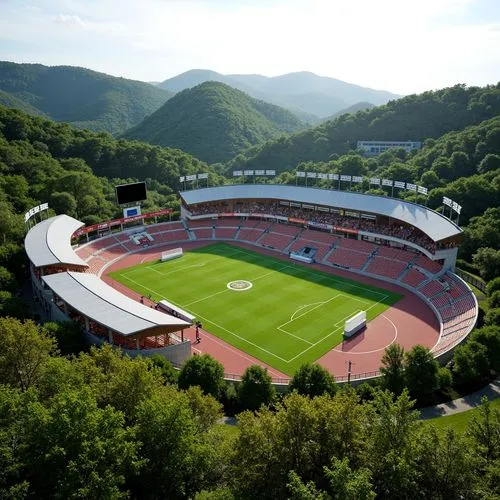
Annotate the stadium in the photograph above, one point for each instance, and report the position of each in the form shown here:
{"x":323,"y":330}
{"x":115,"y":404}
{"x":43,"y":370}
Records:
{"x":260,"y":274}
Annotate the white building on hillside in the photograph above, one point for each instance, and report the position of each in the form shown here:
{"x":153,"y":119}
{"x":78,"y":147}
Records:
{"x":377,"y":147}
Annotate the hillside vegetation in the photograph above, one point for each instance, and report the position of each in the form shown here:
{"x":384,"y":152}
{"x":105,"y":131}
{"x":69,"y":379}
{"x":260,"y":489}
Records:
{"x":214,"y":122}
{"x":81,"y":97}
{"x":415,"y":117}
{"x":75,"y":170}
{"x":307,"y":95}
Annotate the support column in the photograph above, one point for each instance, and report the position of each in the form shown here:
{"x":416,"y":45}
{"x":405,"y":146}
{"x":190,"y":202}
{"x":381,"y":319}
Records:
{"x":110,"y":336}
{"x":137,"y":344}
{"x":87,"y":324}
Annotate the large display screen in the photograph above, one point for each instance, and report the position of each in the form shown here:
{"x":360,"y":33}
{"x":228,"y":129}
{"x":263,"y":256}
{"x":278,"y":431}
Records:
{"x":130,"y":193}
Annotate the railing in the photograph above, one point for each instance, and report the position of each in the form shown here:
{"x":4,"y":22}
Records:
{"x":472,"y":280}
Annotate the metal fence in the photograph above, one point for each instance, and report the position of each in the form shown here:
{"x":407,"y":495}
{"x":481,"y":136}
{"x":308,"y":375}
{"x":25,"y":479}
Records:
{"x":472,"y":280}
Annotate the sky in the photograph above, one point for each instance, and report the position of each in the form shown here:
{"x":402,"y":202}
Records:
{"x":397,"y":45}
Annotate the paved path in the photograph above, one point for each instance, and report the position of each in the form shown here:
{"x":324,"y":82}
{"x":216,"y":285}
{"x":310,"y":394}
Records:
{"x":469,"y":402}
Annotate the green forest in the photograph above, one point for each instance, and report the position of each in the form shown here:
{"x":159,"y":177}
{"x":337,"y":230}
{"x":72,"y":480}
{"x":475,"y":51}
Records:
{"x":415,"y":117}
{"x":214,"y":122}
{"x":87,"y":423}
{"x":79,"y":96}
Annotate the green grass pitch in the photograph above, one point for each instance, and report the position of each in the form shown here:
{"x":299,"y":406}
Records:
{"x":291,"y":315}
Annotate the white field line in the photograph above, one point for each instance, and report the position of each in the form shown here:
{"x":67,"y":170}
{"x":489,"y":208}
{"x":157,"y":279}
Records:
{"x":226,"y":289}
{"x":326,"y":275}
{"x":237,"y":336}
{"x":331,"y":333}
{"x":211,"y":322}
{"x":310,"y":310}
{"x":292,"y":317}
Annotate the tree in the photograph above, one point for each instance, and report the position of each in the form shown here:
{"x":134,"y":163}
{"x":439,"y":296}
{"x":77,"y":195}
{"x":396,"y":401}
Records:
{"x":484,"y":429}
{"x":86,"y":449}
{"x":390,"y":450}
{"x":346,"y":484}
{"x":494,"y":300}
{"x":63,"y":203}
{"x":421,"y":371}
{"x":487,"y":260}
{"x":489,"y":163}
{"x":255,"y":388}
{"x":493,"y":286}
{"x":489,"y":337}
{"x":69,"y":336}
{"x":166,"y":368}
{"x":313,"y":380}
{"x":205,"y":372}
{"x":7,"y":280}
{"x":176,"y":457}
{"x":25,"y":348}
{"x":393,"y":369}
{"x":470,"y":362}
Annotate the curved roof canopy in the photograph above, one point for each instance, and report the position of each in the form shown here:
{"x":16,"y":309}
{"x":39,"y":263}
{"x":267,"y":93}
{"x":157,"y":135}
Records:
{"x":49,"y":242}
{"x":95,"y":299}
{"x":435,"y":225}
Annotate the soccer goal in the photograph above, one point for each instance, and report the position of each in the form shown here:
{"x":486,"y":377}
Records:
{"x":173,"y":253}
{"x":354,"y":324}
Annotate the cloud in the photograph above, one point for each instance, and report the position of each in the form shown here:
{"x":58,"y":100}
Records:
{"x":69,"y":20}
{"x":387,"y":44}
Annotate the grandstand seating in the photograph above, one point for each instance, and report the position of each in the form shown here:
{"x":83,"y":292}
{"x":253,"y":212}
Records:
{"x":414,"y":278}
{"x":321,"y":248}
{"x":386,"y":267}
{"x":226,"y":233}
{"x":202,"y":234}
{"x":431,"y":288}
{"x":284,"y":229}
{"x":318,"y":236}
{"x":193,"y":224}
{"x":428,"y":264}
{"x":358,"y":245}
{"x":276,"y":240}
{"x":452,"y":299}
{"x":395,"y":254}
{"x":348,"y":258}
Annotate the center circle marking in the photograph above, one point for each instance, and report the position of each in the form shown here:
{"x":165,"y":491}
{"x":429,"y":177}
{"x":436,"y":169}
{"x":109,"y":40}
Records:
{"x":240,"y":285}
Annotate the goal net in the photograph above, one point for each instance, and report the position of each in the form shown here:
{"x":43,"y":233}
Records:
{"x":173,"y":253}
{"x":355,"y":324}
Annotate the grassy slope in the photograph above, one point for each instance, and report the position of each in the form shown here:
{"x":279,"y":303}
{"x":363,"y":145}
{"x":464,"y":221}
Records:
{"x":291,"y":315}
{"x":459,"y":421}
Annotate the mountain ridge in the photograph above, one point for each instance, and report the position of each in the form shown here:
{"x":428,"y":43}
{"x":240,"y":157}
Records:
{"x":300,"y":92}
{"x":79,"y":96}
{"x":214,"y":121}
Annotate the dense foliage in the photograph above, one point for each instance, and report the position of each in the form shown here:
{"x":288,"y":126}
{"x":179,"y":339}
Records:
{"x":415,"y":117}
{"x":98,"y":425}
{"x":214,"y":122}
{"x":79,"y":96}
{"x":75,"y":171}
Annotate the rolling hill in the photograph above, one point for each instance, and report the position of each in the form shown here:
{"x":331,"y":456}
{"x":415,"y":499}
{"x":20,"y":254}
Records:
{"x":303,"y":93}
{"x":81,"y":97}
{"x":214,"y":122}
{"x":414,"y":117}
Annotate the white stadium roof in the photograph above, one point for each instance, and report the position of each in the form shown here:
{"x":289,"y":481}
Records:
{"x":95,"y":299}
{"x":49,"y":242}
{"x":435,"y":225}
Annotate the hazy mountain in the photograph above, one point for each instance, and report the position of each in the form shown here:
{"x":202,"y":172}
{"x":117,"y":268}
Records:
{"x":79,"y":96}
{"x":359,"y":106}
{"x":301,"y":92}
{"x":214,"y":121}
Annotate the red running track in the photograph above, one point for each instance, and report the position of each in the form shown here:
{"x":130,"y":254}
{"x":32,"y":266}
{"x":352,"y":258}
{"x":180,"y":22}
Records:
{"x":410,"y":321}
